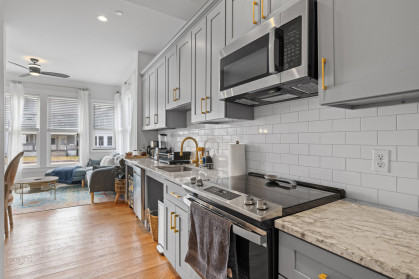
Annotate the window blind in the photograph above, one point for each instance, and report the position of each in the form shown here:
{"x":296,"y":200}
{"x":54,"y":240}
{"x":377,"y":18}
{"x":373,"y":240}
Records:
{"x":30,"y":117}
{"x":63,"y":114}
{"x":103,"y":117}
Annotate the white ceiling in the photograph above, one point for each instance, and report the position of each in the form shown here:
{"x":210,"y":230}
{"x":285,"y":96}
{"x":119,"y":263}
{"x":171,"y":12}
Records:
{"x":67,"y":37}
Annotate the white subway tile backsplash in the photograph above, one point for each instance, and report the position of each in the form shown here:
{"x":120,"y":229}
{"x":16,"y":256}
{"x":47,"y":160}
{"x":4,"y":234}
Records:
{"x":351,"y":124}
{"x":332,"y":113}
{"x":348,"y":151}
{"x":409,"y":137}
{"x":408,"y":153}
{"x":408,"y":121}
{"x":333,"y":163}
{"x":379,"y":182}
{"x":379,"y":123}
{"x":408,"y":186}
{"x":369,"y":138}
{"x":399,"y":200}
{"x":398,"y":109}
{"x":331,"y":146}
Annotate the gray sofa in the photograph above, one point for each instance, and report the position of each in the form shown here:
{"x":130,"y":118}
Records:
{"x":101,"y":178}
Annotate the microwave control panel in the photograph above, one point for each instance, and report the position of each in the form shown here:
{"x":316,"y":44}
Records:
{"x":290,"y":36}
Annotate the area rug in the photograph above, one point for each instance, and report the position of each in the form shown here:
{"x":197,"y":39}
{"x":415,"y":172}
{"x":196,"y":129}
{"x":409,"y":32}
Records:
{"x":67,"y":196}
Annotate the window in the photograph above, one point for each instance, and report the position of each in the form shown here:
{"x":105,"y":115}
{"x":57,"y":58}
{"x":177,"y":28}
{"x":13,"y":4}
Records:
{"x":29,"y":127}
{"x":63,"y":124}
{"x":104,"y":126}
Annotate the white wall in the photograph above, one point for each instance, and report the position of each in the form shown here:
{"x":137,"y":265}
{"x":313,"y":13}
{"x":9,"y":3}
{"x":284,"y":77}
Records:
{"x":44,"y":87}
{"x":2,"y":55}
{"x":329,"y":146}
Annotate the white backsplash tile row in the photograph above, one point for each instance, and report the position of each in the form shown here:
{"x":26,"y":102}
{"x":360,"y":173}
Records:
{"x":332,"y":146}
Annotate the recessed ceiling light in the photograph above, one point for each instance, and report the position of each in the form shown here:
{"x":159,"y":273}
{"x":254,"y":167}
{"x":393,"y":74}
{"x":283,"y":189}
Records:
{"x":102,"y":18}
{"x":119,"y":13}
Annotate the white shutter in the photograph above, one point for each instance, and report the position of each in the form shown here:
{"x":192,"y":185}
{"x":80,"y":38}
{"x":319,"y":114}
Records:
{"x":30,"y":117}
{"x":103,"y":117}
{"x":63,"y":114}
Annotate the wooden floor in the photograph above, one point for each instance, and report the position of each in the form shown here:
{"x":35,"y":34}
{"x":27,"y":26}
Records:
{"x":92,"y":241}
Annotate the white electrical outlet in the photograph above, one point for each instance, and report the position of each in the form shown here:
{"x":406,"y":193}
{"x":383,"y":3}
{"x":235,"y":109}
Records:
{"x":381,"y":160}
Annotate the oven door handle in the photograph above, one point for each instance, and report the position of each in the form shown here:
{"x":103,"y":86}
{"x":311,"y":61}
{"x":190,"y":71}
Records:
{"x":271,"y":50}
{"x":246,"y":234}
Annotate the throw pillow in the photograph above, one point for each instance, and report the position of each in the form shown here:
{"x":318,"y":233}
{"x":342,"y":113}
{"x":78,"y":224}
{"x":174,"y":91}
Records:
{"x":107,"y":161}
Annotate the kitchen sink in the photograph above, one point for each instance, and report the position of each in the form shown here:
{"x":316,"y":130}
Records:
{"x":174,"y":169}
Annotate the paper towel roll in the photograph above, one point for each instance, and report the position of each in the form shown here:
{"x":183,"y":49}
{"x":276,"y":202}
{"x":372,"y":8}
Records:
{"x":236,"y":159}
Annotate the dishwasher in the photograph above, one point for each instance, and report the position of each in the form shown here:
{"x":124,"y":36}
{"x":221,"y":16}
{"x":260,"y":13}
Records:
{"x":139,"y":193}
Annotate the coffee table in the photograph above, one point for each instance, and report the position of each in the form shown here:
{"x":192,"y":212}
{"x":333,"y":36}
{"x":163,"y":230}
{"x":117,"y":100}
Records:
{"x":39,"y":184}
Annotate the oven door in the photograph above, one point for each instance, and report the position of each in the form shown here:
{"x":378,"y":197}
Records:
{"x":252,"y":58}
{"x":252,"y":259}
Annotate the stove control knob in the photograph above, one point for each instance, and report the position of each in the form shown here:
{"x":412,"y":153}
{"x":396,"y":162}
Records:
{"x":261,"y":205}
{"x":248,"y":200}
{"x":199,"y":182}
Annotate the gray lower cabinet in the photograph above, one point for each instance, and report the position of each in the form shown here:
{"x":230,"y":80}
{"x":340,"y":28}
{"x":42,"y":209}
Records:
{"x":379,"y":66}
{"x":301,"y":260}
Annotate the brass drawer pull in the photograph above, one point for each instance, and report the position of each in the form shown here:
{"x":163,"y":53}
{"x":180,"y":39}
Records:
{"x":202,"y":99}
{"x":175,"y":195}
{"x":324,"y":87}
{"x":254,"y":4}
{"x":171,"y":218}
{"x":175,"y":230}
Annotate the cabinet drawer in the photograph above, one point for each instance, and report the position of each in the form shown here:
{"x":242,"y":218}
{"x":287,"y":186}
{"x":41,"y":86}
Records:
{"x":299,"y":259}
{"x":174,"y":193}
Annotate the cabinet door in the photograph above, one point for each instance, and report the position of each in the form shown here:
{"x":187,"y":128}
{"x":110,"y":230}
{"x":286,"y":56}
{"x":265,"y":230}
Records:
{"x":170,"y":236}
{"x":276,"y":5}
{"x":160,"y":104}
{"x":146,"y":102}
{"x":382,"y":58}
{"x":152,"y":98}
{"x":184,"y":57}
{"x":216,"y":31}
{"x":199,"y":54}
{"x":182,"y":239}
{"x":242,"y":16}
{"x":172,"y":78}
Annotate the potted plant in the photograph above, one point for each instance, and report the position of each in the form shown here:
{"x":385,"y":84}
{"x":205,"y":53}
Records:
{"x":120,"y":181}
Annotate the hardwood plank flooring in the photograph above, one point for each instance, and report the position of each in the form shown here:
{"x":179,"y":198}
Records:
{"x":103,"y":240}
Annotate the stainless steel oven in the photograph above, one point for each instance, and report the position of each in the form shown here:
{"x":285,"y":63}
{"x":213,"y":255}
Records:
{"x":253,"y":255}
{"x":275,"y":62}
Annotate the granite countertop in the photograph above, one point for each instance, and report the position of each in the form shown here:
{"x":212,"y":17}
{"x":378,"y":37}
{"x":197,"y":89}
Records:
{"x":380,"y":239}
{"x":177,"y":177}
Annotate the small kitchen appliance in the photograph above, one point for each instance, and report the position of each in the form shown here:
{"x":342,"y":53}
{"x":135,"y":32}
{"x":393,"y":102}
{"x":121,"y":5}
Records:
{"x":162,"y":141}
{"x":253,"y":206}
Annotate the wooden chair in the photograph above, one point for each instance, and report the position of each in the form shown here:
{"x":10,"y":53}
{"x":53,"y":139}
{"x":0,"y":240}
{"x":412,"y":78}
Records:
{"x":9,"y":180}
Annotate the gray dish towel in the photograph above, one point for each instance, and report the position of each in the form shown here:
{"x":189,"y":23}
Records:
{"x":209,"y":243}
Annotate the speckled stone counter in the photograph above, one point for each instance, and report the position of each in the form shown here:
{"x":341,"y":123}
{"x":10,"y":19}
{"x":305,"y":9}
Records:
{"x":382,"y":240}
{"x":177,"y":177}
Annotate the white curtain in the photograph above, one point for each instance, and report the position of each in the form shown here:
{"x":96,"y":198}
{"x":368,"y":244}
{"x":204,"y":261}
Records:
{"x":84,"y":130}
{"x":15,"y":131}
{"x":134,"y":118}
{"x":124,"y":118}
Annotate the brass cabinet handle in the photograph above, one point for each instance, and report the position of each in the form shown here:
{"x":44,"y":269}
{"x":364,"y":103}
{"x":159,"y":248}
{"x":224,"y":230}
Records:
{"x":171,"y":218}
{"x":176,"y":196}
{"x":176,"y":98}
{"x":254,"y":4}
{"x":323,"y":276}
{"x":324,"y":87}
{"x":156,"y":115}
{"x":175,"y":230}
{"x":202,"y":99}
{"x":206,"y":99}
{"x":263,"y":16}
{"x":147,"y":117}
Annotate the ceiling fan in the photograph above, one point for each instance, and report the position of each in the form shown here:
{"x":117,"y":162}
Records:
{"x":35,"y":70}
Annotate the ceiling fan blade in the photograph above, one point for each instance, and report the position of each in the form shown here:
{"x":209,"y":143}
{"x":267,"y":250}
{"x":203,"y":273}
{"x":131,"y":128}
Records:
{"x":25,"y":75}
{"x":18,"y":65}
{"x":55,"y":74}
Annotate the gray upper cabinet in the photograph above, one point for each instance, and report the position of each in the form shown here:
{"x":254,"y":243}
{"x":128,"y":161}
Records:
{"x":199,"y":71}
{"x":364,"y":57}
{"x":159,"y":117}
{"x":152,"y":99}
{"x":172,"y":79}
{"x":146,"y":101}
{"x":184,"y":66}
{"x":242,"y":16}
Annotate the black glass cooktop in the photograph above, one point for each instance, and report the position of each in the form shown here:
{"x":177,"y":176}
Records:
{"x":223,"y":193}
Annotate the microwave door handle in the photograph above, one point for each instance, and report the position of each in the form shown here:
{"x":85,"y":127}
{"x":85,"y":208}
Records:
{"x":272,"y":41}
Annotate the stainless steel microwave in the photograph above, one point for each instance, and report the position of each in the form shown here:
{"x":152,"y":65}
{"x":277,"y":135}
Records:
{"x":274,"y":62}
